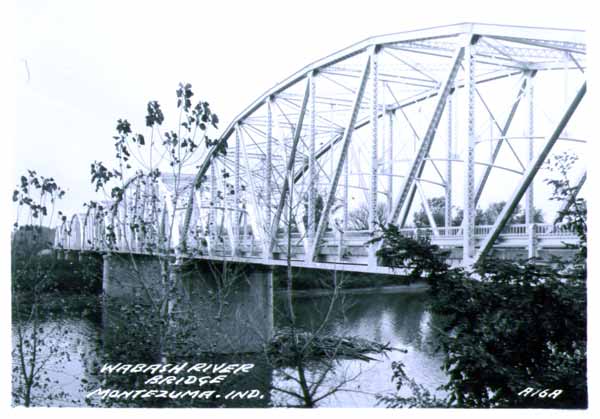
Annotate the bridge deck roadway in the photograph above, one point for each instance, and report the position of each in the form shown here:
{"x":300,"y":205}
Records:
{"x":349,"y":253}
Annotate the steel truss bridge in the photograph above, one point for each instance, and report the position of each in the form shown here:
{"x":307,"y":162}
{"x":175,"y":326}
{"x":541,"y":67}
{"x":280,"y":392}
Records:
{"x":467,"y":113}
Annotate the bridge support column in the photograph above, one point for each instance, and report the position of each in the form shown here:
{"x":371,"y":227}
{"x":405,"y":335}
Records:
{"x":529,"y":207}
{"x":449,"y":155}
{"x":372,"y":259}
{"x":346,"y":190}
{"x":312,"y":175}
{"x":268,"y":176}
{"x":345,"y":212}
{"x":212,"y":214}
{"x":469,"y":188}
{"x":390,"y":168}
{"x":235,"y":212}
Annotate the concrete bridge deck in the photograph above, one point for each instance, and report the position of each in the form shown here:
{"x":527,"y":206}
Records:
{"x":348,"y":252}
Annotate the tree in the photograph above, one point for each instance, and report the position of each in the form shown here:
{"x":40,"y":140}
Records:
{"x":458,"y":219}
{"x":416,"y":255}
{"x":482,"y":217}
{"x":573,"y":213}
{"x":31,"y":276}
{"x":318,"y":209}
{"x":437,"y":205}
{"x":311,"y":354}
{"x":492,"y":212}
{"x":160,"y":315}
{"x":521,"y":325}
{"x":358,"y":219}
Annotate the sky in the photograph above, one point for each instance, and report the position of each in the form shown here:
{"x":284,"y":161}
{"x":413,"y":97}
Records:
{"x":82,"y":65}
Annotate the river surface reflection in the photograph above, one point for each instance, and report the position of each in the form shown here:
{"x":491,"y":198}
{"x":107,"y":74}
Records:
{"x":397,"y":316}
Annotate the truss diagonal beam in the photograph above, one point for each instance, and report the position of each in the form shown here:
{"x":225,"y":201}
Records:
{"x":528,"y":176}
{"x":347,"y":137}
{"x":503,"y":132}
{"x":256,"y":220}
{"x":429,"y":94}
{"x":427,"y":208}
{"x":418,"y":163}
{"x":290,"y":166}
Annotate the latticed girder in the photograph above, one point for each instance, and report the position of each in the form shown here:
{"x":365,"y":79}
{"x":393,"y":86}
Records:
{"x":348,"y":141}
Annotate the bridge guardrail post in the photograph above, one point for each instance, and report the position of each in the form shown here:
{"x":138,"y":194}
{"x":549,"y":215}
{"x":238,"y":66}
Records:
{"x":340,"y":245}
{"x":531,"y":241}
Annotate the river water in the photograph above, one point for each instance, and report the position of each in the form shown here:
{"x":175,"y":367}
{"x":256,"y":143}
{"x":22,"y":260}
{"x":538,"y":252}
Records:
{"x":85,"y":337}
{"x":396,"y":315}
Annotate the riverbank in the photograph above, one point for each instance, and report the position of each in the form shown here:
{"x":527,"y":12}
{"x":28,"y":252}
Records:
{"x":417,"y":287}
{"x":316,"y":280}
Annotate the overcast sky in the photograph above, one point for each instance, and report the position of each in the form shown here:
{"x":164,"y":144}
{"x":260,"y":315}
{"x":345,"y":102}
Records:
{"x":83,"y":64}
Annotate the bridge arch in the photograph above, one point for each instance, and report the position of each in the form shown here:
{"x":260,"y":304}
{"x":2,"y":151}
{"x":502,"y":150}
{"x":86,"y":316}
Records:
{"x":75,"y":232}
{"x":148,"y":215}
{"x":60,"y":236}
{"x":341,"y":126}
{"x":469,"y":111}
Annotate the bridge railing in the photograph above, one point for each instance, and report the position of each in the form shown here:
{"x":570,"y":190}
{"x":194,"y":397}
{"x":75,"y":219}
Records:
{"x":93,"y":237}
{"x":552,"y":230}
{"x":543,"y":230}
{"x":516,"y":230}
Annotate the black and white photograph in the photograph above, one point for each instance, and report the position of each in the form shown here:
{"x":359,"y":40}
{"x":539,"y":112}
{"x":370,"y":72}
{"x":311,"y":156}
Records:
{"x":295,"y":204}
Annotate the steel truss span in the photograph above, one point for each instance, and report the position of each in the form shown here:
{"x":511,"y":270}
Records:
{"x":466,"y":113}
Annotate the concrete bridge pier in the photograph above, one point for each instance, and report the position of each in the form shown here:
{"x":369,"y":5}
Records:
{"x":229,"y":306}
{"x":217,"y":314}
{"x":220,"y":307}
